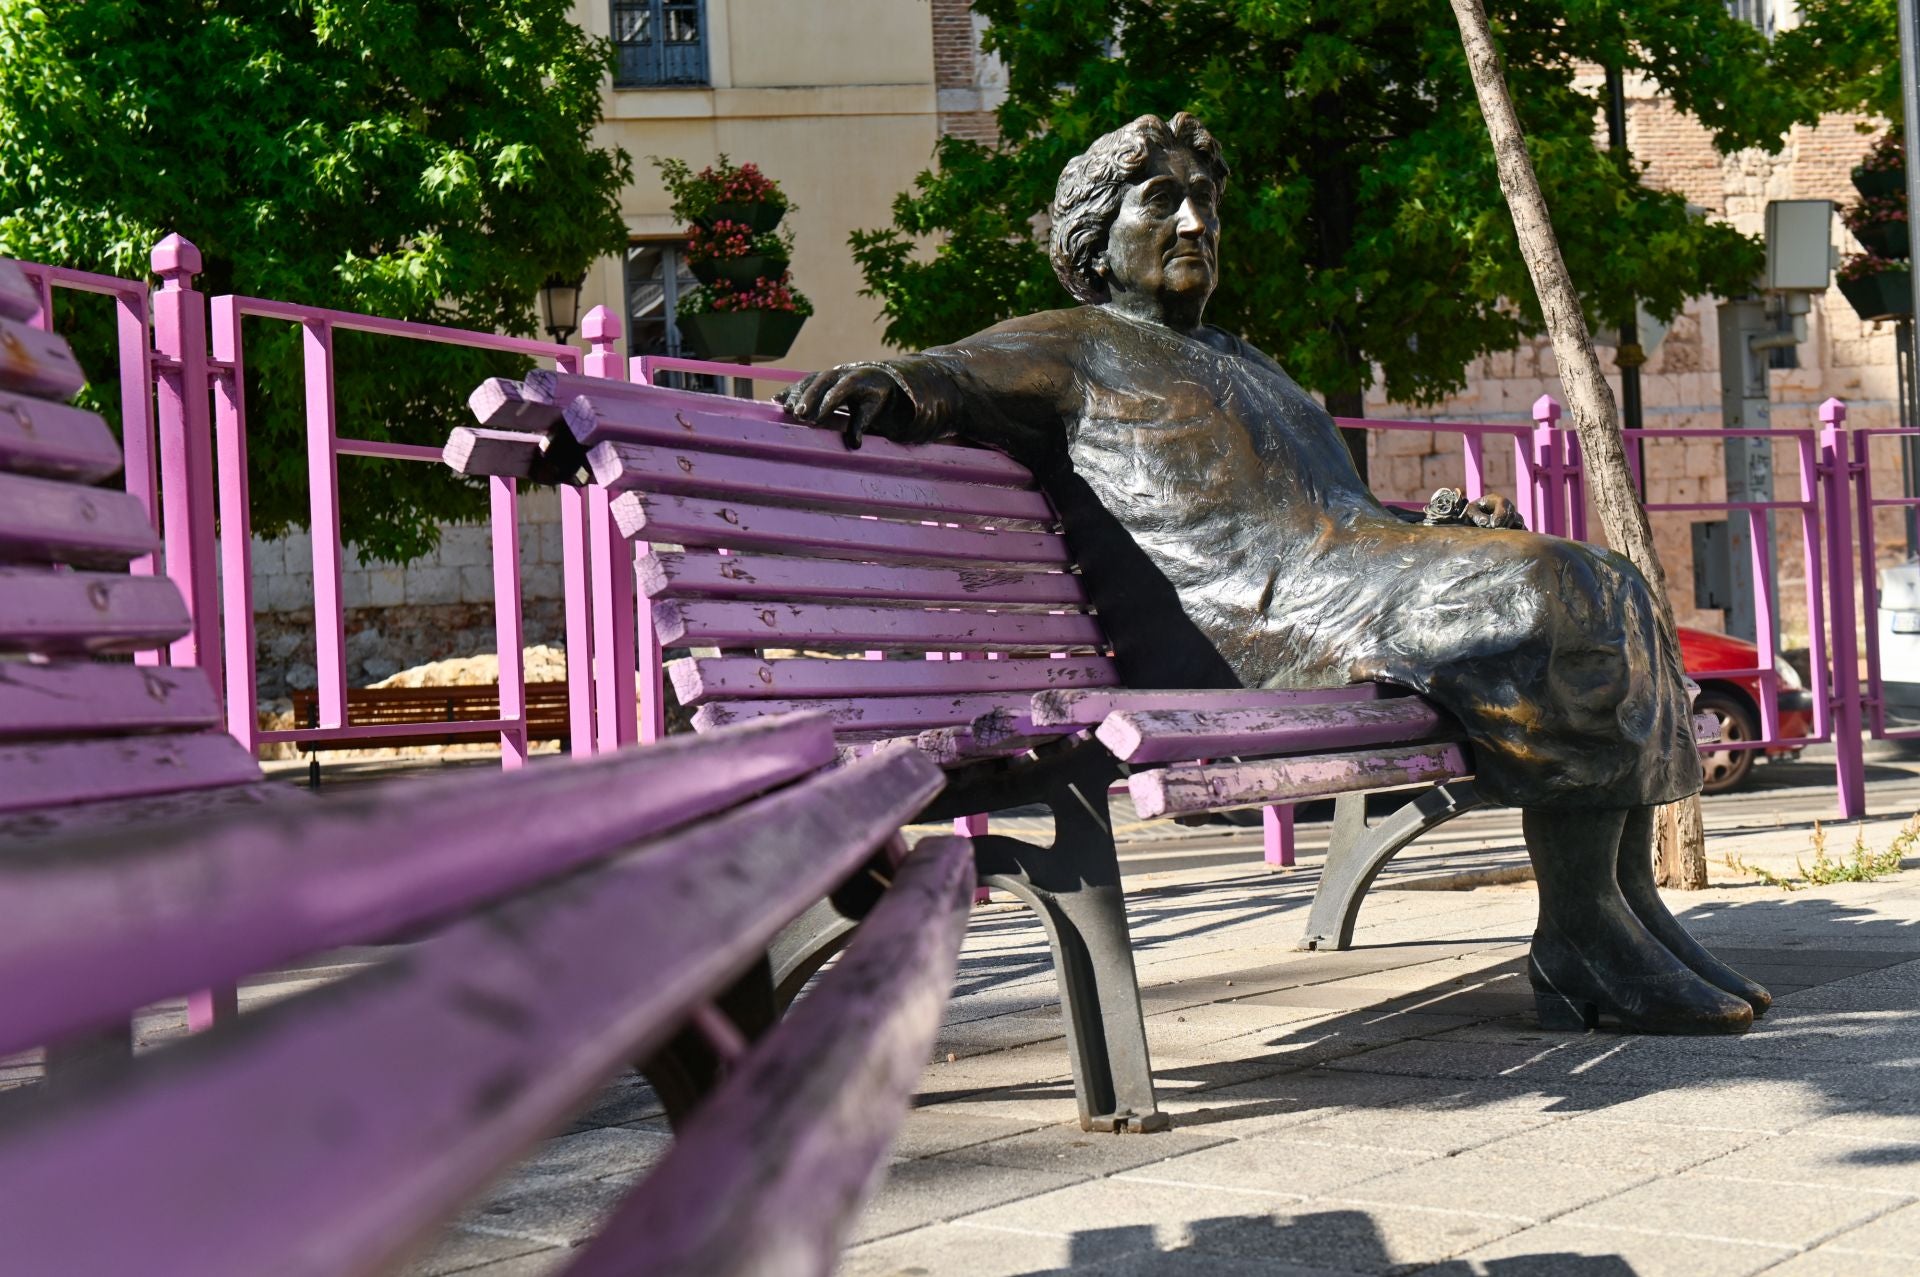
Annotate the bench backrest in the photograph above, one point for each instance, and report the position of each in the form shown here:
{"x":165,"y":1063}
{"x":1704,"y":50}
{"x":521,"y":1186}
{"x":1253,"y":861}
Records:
{"x":793,"y":550}
{"x":75,"y":730}
{"x":616,"y":897}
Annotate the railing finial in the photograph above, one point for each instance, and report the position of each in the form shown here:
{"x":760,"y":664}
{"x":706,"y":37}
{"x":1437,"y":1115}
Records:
{"x":1833,"y":413}
{"x":601,"y":328}
{"x":1546,"y":411}
{"x":176,"y":261}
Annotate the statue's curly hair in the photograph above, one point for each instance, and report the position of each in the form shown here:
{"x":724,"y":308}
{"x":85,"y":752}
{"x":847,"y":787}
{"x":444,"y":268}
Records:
{"x":1095,"y":181}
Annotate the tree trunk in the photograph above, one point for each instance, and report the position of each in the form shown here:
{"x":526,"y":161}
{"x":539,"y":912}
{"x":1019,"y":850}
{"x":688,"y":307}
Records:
{"x":1589,"y":399}
{"x":1352,"y":403}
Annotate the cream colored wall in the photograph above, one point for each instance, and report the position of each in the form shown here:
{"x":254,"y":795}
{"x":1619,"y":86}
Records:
{"x":835,"y":101}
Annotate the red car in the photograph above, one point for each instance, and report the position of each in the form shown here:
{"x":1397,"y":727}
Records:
{"x":1735,"y":702}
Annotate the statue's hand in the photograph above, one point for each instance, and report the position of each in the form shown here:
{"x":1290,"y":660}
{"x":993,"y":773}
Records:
{"x":870,"y":395}
{"x":1494,"y":511}
{"x":1450,"y":506}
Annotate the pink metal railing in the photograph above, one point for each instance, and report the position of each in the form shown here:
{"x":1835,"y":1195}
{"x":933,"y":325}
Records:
{"x":1870,"y":503}
{"x":325,"y":446}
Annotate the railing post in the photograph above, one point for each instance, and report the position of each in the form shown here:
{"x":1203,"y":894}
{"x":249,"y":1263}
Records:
{"x":186,"y":451}
{"x":1549,"y":472}
{"x":236,"y":522}
{"x":1836,"y":476}
{"x":613,"y":569}
{"x":509,"y":637}
{"x":323,"y":526}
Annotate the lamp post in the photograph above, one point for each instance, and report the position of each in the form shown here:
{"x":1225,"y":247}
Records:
{"x":560,"y":300}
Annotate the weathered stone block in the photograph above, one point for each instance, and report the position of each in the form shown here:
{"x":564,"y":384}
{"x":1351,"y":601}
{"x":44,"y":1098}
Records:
{"x":432,"y":584}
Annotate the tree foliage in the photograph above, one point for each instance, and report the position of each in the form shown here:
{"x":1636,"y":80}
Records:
{"x":417,"y":160}
{"x":1363,"y":228}
{"x":1849,"y":51}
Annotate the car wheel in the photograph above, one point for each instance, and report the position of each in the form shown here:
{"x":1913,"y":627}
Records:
{"x":1727,"y":769}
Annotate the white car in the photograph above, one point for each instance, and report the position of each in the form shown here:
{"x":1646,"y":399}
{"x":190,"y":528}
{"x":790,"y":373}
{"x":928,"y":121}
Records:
{"x":1899,"y":634}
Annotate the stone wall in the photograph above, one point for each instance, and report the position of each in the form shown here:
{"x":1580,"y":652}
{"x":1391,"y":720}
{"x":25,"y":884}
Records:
{"x":398,"y":617}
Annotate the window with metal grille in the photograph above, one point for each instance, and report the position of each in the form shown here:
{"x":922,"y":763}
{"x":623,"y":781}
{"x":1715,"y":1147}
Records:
{"x":659,"y":42}
{"x":657,"y":278}
{"x":1769,"y":17}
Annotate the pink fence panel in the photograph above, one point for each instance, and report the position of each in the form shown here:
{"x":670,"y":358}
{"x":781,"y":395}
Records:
{"x":325,"y":446}
{"x":1869,"y":504}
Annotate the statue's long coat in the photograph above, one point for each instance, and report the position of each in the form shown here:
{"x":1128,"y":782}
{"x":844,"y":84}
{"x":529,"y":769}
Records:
{"x":1227,"y":539}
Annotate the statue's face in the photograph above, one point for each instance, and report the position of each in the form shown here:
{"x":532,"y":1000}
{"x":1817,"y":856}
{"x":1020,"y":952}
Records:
{"x":1164,"y":242}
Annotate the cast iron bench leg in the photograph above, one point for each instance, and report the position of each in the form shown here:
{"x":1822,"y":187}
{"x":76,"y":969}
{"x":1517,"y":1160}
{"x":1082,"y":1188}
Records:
{"x":1074,"y":887}
{"x":1356,"y":854}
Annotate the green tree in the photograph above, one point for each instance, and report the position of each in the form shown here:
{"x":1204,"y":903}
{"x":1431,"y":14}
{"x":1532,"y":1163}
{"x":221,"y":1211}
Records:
{"x":418,"y":160}
{"x":1849,"y":52}
{"x":1365,"y":233}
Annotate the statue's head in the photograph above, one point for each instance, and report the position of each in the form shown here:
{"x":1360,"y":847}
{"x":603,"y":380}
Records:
{"x":1135,"y":215}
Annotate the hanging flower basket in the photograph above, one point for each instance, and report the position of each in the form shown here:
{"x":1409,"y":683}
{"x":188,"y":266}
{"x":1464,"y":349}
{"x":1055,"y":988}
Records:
{"x":1885,"y":295}
{"x":742,"y":334}
{"x":1879,"y":184}
{"x":758,"y":218}
{"x":737,"y":270}
{"x":1884,"y":239}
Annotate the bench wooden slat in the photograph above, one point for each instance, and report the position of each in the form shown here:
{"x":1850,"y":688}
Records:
{"x":56,"y":440}
{"x":503,"y":404}
{"x":813,"y":483}
{"x":1089,"y":707}
{"x":1194,"y":787}
{"x":735,"y":525}
{"x":952,"y":746}
{"x":37,"y":363}
{"x":1167,"y":735}
{"x":717,"y":623}
{"x":48,"y":774}
{"x":88,"y":933}
{"x":46,"y":521}
{"x":17,"y":297}
{"x":472,"y":450}
{"x":604,"y":411}
{"x":701,"y":679}
{"x":31,"y":830}
{"x":866,"y":713}
{"x":765,"y":576}
{"x":83,"y":698}
{"x":796,"y":1139}
{"x":55,"y":612}
{"x":334,"y":1130}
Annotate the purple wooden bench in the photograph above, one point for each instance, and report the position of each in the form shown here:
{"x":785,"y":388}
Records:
{"x":561,"y":923}
{"x":786,"y":543}
{"x":600,"y":905}
{"x":90,"y":739}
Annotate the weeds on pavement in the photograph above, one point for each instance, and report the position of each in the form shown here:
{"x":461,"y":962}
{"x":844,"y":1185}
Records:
{"x":1858,"y":865}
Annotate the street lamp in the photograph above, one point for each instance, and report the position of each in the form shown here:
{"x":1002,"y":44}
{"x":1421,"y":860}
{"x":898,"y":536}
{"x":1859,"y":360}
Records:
{"x":560,"y":299}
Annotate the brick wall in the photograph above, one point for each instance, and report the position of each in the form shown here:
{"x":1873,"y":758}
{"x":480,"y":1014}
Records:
{"x":969,"y":83}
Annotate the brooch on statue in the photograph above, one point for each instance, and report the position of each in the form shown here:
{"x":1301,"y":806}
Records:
{"x":1450,"y":507}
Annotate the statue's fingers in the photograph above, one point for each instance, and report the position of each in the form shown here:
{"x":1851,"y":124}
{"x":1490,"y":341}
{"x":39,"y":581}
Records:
{"x":803,"y":398}
{"x":845,"y":392}
{"x":865,"y":412}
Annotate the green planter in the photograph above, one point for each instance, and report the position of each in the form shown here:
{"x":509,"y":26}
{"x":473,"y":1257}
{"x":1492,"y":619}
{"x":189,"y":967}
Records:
{"x":1888,"y":295}
{"x":738,"y":270}
{"x":1885,"y":239}
{"x":1883,"y":182}
{"x":755,"y":217}
{"x":743,"y":334}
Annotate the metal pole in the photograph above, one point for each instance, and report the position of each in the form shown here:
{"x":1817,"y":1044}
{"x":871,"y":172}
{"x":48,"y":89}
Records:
{"x":1910,"y":101}
{"x":1630,"y":356}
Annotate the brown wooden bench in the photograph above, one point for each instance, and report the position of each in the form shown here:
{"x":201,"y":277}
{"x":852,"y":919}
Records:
{"x":546,"y":712}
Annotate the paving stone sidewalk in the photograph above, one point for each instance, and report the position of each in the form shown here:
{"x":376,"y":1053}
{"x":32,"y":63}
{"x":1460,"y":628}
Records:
{"x":1388,"y":1109}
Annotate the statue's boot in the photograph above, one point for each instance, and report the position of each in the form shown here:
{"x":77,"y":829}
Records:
{"x":1592,"y":956}
{"x":1637,"y":884}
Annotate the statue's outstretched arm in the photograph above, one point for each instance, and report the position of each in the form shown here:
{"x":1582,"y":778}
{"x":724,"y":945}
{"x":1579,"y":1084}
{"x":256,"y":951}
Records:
{"x":1008,"y":387}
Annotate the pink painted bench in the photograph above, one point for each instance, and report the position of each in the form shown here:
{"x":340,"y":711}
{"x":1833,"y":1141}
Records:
{"x":598,"y":907}
{"x":544,"y":930}
{"x":91,"y":739}
{"x":771,"y":541}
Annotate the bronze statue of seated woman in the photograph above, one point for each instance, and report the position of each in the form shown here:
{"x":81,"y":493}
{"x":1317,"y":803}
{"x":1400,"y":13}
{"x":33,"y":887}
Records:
{"x":1227,"y":540}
